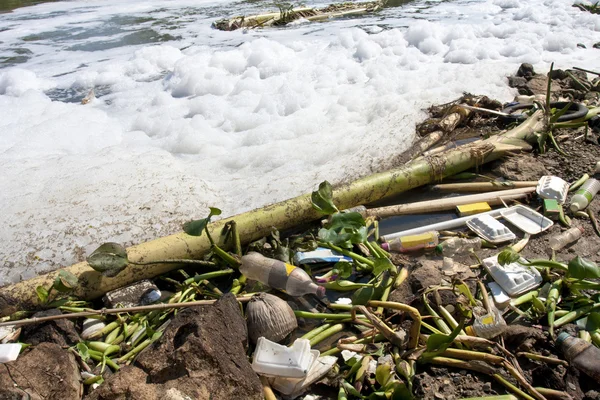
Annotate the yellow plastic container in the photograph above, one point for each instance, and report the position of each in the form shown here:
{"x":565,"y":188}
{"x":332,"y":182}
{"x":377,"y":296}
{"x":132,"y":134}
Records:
{"x":471,"y":209}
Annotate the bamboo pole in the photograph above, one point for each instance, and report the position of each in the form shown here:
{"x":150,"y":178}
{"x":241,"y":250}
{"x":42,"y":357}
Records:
{"x":258,"y":223}
{"x":481,"y":186}
{"x":450,"y":203}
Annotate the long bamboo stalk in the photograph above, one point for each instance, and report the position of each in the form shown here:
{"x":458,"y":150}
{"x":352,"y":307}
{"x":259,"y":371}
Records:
{"x":450,"y":203}
{"x":258,"y":223}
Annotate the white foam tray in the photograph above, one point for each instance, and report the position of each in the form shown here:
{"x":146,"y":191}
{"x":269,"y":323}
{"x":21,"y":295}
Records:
{"x":490,"y":229}
{"x":526,"y":219}
{"x":273,"y":359}
{"x":515,"y":279}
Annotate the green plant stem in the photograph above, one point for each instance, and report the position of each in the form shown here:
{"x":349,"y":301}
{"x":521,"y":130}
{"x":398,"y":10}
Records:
{"x":548,"y":360}
{"x":431,"y":328}
{"x":386,"y":292}
{"x":137,"y":349}
{"x":208,"y":275}
{"x":225,"y":256}
{"x":526,"y":298}
{"x":331,"y":317}
{"x":97,"y":356}
{"x":311,"y":334}
{"x":553,"y":394}
{"x":500,"y":379}
{"x":332,"y":330}
{"x":177,"y":261}
{"x":237,"y":287}
{"x":107,"y":329}
{"x":237,"y":243}
{"x":575,"y":315}
{"x":540,"y":263}
{"x":348,"y":253}
{"x":401,"y":277}
{"x":555,"y":144}
{"x":575,"y":185}
{"x":498,"y":397}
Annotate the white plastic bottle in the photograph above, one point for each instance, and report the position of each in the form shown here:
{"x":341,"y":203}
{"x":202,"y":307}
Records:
{"x":279,"y":275}
{"x":489,"y":325}
{"x":456,"y":245}
{"x":569,"y":236}
{"x":585,"y":194}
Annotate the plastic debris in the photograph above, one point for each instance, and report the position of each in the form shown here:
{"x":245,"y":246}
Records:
{"x":9,"y":352}
{"x":514,"y":278}
{"x":501,"y":299}
{"x":487,"y":326}
{"x":320,"y":255}
{"x":553,"y":187}
{"x":91,"y":326}
{"x":567,"y":237}
{"x":585,"y":194}
{"x":526,"y":219}
{"x":139,"y":294}
{"x":471,"y":209}
{"x":490,"y":229}
{"x":293,"y":388}
{"x":580,"y":354}
{"x":272,"y":359}
{"x":551,"y":209}
{"x":405,"y":244}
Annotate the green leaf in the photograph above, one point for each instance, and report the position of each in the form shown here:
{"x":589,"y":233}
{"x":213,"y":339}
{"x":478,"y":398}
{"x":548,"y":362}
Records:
{"x":351,"y":390}
{"x":42,"y":294}
{"x":538,"y":305}
{"x":401,"y":392}
{"x":383,"y":372}
{"x":362,"y":296}
{"x":345,"y":286}
{"x":65,"y":281}
{"x":343,"y":269}
{"x":82,"y":349}
{"x":351,"y":220}
{"x":508,"y":256}
{"x":580,"y":268}
{"x":108,"y":259}
{"x":196,"y":227}
{"x":464,"y":289}
{"x":358,"y":236}
{"x":322,"y":199}
{"x":438,"y":343}
{"x":593,"y":322}
{"x":382,"y":265}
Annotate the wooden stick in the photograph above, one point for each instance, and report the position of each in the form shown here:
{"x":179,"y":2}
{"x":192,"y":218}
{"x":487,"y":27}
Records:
{"x":162,"y":306}
{"x":481,"y":186}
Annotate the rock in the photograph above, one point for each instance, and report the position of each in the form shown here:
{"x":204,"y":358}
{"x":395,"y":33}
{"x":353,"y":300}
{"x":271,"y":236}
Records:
{"x":596,"y":45}
{"x":526,"y":71}
{"x":538,"y":84}
{"x":524,"y":338}
{"x":581,"y":46}
{"x":517,"y":81}
{"x":61,"y":331}
{"x":524,"y":167}
{"x":425,"y":275}
{"x":487,"y":387}
{"x":558,"y":74}
{"x":45,"y":372}
{"x":202,"y":354}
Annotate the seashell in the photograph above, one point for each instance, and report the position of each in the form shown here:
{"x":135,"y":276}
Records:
{"x":269,"y":316}
{"x":91,"y":327}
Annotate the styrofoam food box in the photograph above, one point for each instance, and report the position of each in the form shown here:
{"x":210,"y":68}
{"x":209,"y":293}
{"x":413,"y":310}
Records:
{"x":273,"y":359}
{"x":515,"y":279}
{"x":526,"y":219}
{"x":490,"y":229}
{"x":552,"y":187}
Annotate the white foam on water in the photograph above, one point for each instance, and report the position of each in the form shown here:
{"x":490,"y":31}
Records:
{"x":188,"y":117}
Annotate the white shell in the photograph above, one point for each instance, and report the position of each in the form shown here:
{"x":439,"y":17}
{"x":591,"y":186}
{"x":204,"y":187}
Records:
{"x":90,"y":327}
{"x":269,"y":316}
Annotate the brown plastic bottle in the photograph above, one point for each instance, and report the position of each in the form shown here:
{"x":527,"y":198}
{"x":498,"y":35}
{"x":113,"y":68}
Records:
{"x":582,"y":355}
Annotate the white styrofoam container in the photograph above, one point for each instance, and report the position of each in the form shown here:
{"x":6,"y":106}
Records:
{"x":490,"y":229}
{"x":292,"y":388}
{"x":526,"y":219}
{"x":515,"y":279}
{"x":552,"y":187}
{"x":501,"y":299}
{"x":9,"y":352}
{"x":273,"y":359}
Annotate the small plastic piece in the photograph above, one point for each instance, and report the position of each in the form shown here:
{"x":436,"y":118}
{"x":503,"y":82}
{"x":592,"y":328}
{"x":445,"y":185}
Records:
{"x":553,"y":187}
{"x":490,"y":229}
{"x":488,"y":326}
{"x":292,"y":388}
{"x":320,"y":255}
{"x":501,"y":299}
{"x":279,"y":275}
{"x":138,"y":294}
{"x":569,"y":236}
{"x":551,"y":209}
{"x":526,"y":219}
{"x":404,"y":244}
{"x":9,"y":352}
{"x":514,"y":278}
{"x":272,"y":359}
{"x":90,"y":327}
{"x":585,"y":194}
{"x":471,"y":209}
{"x":453,"y":246}
{"x":581,"y":354}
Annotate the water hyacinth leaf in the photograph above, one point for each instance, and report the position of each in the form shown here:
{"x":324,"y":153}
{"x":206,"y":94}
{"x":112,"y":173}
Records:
{"x":438,"y":343}
{"x":404,"y":369}
{"x":322,"y":199}
{"x":42,"y":294}
{"x":196,"y":227}
{"x":349,"y":389}
{"x":65,"y":281}
{"x":351,"y":220}
{"x":401,"y":392}
{"x":108,"y":259}
{"x":82,"y":349}
{"x":592,"y":322}
{"x":580,"y":268}
{"x":343,"y":269}
{"x":362,"y":296}
{"x":359,"y":235}
{"x":382,"y":265}
{"x":339,"y":239}
{"x":383,"y":374}
{"x":464,"y":289}
{"x":508,"y":256}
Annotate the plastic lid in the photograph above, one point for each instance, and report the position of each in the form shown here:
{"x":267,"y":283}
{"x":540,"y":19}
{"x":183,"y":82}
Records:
{"x":575,"y":206}
{"x":439,"y":249}
{"x":321,"y":291}
{"x":561,"y":338}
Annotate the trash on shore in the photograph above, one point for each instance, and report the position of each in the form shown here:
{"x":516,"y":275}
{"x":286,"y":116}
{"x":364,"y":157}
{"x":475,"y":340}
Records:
{"x":352,"y":313}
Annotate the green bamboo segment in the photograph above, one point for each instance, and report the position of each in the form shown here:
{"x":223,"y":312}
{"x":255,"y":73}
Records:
{"x":258,"y":223}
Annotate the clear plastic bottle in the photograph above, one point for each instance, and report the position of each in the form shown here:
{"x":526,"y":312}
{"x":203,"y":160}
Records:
{"x":279,"y":275}
{"x":569,"y":236}
{"x":456,"y":245}
{"x":581,"y":354}
{"x":585,"y":194}
{"x":488,"y":326}
{"x":404,"y":244}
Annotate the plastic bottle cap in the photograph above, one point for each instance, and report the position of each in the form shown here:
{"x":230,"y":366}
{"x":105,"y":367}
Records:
{"x":385,"y":246}
{"x":321,"y":291}
{"x":561,"y":338}
{"x":438,"y":249}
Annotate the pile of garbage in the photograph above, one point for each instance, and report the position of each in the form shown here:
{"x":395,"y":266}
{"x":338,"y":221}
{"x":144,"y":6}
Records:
{"x":496,"y":300}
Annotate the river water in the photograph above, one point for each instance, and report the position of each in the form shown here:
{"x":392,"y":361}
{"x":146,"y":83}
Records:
{"x":187,"y":117}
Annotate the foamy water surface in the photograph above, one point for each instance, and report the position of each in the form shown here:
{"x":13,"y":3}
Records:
{"x":188,"y":117}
